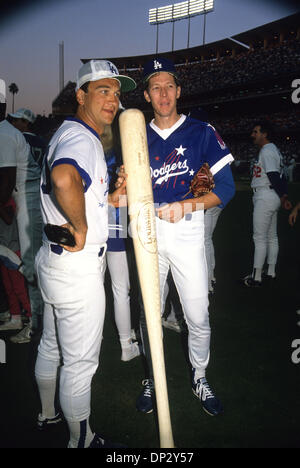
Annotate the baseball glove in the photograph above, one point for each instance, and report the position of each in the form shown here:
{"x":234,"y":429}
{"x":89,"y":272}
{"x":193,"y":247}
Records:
{"x":202,"y":183}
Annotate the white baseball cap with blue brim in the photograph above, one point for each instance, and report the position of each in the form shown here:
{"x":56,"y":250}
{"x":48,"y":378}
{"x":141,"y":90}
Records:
{"x":95,"y":70}
{"x":26,"y":114}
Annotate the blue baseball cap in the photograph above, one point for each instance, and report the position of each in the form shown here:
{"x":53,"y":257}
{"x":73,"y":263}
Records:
{"x":157,"y":65}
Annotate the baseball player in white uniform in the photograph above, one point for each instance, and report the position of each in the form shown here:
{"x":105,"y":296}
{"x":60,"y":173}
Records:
{"x":74,"y":194}
{"x":269,"y":193}
{"x":20,"y":177}
{"x":178,"y":147}
{"x":211,"y":217}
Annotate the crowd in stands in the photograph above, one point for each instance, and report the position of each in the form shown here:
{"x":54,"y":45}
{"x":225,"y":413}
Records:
{"x":255,"y":65}
{"x":244,"y":150}
{"x":236,"y":133}
{"x":255,"y":72}
{"x":248,"y":67}
{"x":261,"y":68}
{"x":226,"y":95}
{"x":282,"y":121}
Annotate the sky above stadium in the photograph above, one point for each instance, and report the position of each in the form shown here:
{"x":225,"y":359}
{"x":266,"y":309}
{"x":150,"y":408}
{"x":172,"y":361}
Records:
{"x":30,"y":33}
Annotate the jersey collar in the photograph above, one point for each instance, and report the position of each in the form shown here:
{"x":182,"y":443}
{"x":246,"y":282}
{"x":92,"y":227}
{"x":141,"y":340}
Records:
{"x":164,"y":134}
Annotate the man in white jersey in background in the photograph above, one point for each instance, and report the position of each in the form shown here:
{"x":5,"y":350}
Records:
{"x":74,"y":195}
{"x":20,"y":178}
{"x":269,"y":193}
{"x":24,"y":120}
{"x":29,"y":217}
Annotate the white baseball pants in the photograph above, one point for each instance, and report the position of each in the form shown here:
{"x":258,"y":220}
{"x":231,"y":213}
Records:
{"x":73,"y":292}
{"x":210,"y":221}
{"x":181,"y":248}
{"x":119,"y":273}
{"x":266,"y":205}
{"x":30,"y":228}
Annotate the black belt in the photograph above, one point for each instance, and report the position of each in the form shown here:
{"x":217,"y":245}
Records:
{"x":58,"y":249}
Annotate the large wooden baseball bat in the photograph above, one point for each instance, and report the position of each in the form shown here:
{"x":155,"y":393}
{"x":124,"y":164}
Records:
{"x":142,"y":225}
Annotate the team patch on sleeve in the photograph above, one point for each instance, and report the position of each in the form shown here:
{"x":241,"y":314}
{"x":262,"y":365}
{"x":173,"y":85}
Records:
{"x":218,"y":137}
{"x":217,"y":155}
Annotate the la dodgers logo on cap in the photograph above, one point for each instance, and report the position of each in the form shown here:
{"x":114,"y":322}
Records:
{"x":112,"y":68}
{"x":157,"y":64}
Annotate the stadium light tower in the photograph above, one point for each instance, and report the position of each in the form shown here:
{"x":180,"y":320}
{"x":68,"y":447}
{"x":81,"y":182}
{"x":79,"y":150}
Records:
{"x":177,"y":12}
{"x":61,"y":66}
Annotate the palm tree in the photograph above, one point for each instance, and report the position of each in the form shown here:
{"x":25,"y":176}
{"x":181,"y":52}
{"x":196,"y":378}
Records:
{"x":13,"y":88}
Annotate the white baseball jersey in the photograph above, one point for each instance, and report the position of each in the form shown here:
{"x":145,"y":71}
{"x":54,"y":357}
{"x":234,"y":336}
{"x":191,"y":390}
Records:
{"x":15,"y":152}
{"x":77,"y":144}
{"x":72,"y":282}
{"x":269,"y":160}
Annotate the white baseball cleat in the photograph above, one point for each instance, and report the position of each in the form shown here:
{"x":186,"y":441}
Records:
{"x":23,"y":337}
{"x":5,"y":316}
{"x":130,"y":352}
{"x":172,"y":325}
{"x":12,"y":325}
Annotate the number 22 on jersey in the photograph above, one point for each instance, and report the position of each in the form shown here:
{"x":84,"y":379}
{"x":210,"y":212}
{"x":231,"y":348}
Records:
{"x":256,"y":171}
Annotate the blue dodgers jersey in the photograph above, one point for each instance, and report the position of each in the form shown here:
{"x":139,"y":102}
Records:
{"x":175,"y":160}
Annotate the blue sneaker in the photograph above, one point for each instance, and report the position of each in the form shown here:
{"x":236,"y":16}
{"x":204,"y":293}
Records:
{"x":145,"y":401}
{"x":99,"y":442}
{"x":209,"y":401}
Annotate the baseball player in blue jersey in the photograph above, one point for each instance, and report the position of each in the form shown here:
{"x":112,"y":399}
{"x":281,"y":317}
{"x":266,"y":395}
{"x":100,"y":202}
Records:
{"x":74,"y":195}
{"x":269,"y":193}
{"x":178,"y":147}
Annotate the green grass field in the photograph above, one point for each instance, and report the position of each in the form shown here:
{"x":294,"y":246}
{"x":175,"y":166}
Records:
{"x":250,"y":369}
